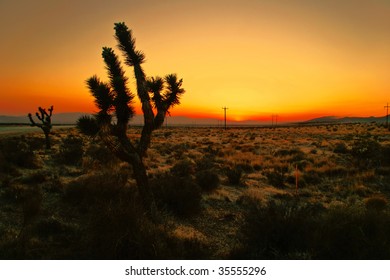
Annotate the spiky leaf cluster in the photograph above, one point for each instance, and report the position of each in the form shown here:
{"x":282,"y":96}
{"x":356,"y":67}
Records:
{"x":118,"y":82}
{"x":88,"y":125}
{"x":126,"y":43}
{"x":103,"y":98}
{"x":165,"y":92}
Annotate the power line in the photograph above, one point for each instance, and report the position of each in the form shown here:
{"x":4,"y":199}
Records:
{"x":387,"y":114}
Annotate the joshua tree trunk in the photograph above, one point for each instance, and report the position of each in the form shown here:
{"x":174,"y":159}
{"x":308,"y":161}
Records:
{"x":146,"y":193}
{"x":47,"y":140}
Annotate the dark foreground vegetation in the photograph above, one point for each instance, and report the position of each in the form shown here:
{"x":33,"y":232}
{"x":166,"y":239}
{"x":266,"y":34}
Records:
{"x":219,"y":195}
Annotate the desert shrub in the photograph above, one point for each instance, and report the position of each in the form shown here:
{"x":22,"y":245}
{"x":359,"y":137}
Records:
{"x":234,"y":175}
{"x":35,"y":142}
{"x":376,"y":203}
{"x":9,"y":244}
{"x":277,"y":230}
{"x":123,"y":231}
{"x":291,"y":229}
{"x":334,"y":171}
{"x":118,"y":229}
{"x":116,"y":226}
{"x":383,"y":171}
{"x":100,"y":153}
{"x":353,"y":233}
{"x":210,"y":149}
{"x":3,"y":163}
{"x":16,"y":151}
{"x":89,"y":189}
{"x":294,"y":153}
{"x":207,"y":180}
{"x":340,"y":148}
{"x":311,"y":177}
{"x":366,"y":152}
{"x":276,"y":178}
{"x":71,"y":150}
{"x":178,"y":195}
{"x":36,"y":177}
{"x":187,"y":248}
{"x":245,"y":166}
{"x":30,"y":198}
{"x":385,"y":152}
{"x":179,"y":150}
{"x":207,"y":162}
{"x":183,"y":168}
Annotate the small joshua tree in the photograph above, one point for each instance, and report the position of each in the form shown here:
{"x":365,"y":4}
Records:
{"x":157,"y":95}
{"x":45,"y":119}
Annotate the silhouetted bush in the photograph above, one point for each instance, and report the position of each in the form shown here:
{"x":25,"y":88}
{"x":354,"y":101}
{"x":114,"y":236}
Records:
{"x":278,"y":229}
{"x":36,"y":177}
{"x":16,"y":151}
{"x":177,"y":194}
{"x":89,"y":189}
{"x":349,"y":232}
{"x":121,"y":230}
{"x":100,"y":153}
{"x":366,"y":152}
{"x":207,"y":162}
{"x":340,"y":148}
{"x":297,"y":154}
{"x":290,"y":229}
{"x":234,"y":175}
{"x":35,"y":142}
{"x":385,"y":152}
{"x":117,"y":226}
{"x":311,"y":177}
{"x":246,"y":166}
{"x":376,"y":203}
{"x":71,"y":150}
{"x":207,"y":180}
{"x":183,"y":168}
{"x":276,"y":178}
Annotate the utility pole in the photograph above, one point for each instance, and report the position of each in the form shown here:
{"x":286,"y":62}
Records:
{"x":274,"y":118}
{"x":387,"y":114}
{"x":224,"y":109}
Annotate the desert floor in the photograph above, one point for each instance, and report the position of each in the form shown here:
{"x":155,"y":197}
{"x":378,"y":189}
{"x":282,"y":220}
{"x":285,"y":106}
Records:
{"x":72,"y":201}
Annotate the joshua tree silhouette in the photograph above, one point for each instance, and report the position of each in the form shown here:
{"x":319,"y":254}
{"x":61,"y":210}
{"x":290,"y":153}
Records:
{"x":45,"y":125}
{"x":157,"y":95}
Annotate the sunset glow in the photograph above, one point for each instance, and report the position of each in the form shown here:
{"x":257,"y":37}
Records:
{"x":298,"y":59}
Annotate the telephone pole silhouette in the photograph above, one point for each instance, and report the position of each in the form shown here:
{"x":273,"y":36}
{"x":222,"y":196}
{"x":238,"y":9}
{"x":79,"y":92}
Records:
{"x":387,"y":114}
{"x":274,"y":117}
{"x":224,"y":109}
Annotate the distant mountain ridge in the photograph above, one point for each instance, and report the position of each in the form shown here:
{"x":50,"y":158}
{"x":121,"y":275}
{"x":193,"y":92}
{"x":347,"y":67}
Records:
{"x":71,"y":118}
{"x":60,"y":118}
{"x":333,"y":119}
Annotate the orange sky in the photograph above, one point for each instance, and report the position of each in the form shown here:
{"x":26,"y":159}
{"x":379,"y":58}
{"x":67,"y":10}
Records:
{"x":298,"y":59}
